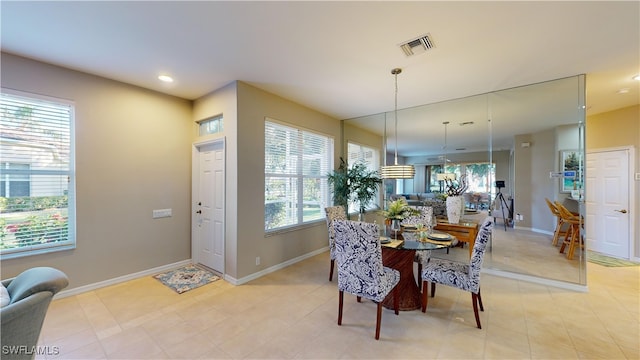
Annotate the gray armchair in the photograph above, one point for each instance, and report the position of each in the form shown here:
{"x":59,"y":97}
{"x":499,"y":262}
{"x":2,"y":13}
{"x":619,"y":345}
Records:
{"x":30,"y":293}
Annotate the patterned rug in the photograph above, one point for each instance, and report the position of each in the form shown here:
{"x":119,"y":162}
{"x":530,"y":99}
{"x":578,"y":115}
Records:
{"x":600,"y":259}
{"x":187,"y":278}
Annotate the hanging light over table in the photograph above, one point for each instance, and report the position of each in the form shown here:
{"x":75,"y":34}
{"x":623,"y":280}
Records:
{"x":444,"y":175}
{"x":396,"y":171}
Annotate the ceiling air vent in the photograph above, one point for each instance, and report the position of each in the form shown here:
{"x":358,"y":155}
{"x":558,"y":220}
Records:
{"x":417,"y":45}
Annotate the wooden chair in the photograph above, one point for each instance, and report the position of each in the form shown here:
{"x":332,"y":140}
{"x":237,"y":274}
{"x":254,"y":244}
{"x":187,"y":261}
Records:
{"x":573,"y":237}
{"x":333,"y":212}
{"x":559,"y":225}
{"x":360,"y":269}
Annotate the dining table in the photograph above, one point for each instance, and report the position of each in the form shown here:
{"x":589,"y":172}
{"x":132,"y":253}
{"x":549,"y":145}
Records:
{"x":399,"y":254}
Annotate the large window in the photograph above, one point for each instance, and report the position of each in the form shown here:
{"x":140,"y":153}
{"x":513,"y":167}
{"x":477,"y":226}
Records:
{"x":36,"y":174}
{"x":296,"y":165}
{"x":478,"y":175}
{"x":357,"y":153}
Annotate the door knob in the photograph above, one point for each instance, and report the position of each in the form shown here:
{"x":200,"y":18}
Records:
{"x":199,"y":212}
{"x":621,"y":211}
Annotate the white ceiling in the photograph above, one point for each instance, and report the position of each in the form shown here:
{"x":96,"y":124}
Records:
{"x":336,"y":57}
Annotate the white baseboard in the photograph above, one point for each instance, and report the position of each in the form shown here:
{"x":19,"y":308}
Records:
{"x":271,"y":269}
{"x":120,"y":279}
{"x":159,"y":269}
{"x":537,"y":280}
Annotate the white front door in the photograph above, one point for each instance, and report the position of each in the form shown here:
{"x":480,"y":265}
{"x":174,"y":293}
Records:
{"x":209,"y":206}
{"x":607,"y":201}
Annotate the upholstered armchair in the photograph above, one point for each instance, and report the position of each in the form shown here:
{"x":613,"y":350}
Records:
{"x":360,"y":269}
{"x":464,"y":276}
{"x":30,"y":294}
{"x":332,"y":213}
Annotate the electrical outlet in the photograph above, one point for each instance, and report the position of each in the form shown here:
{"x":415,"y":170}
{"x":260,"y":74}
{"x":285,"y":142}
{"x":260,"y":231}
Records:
{"x":257,"y":260}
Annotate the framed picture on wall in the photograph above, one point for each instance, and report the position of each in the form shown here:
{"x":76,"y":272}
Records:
{"x":570,"y":162}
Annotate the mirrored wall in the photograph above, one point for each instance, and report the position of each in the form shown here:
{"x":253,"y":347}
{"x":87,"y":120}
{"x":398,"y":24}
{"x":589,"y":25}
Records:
{"x":526,"y":137}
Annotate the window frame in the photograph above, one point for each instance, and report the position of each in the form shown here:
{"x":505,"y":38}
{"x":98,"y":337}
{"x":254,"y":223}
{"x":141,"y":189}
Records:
{"x":300,"y":177}
{"x":70,"y":242}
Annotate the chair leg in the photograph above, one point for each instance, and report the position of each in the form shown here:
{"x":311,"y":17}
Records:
{"x":573,"y":243}
{"x":566,"y":238}
{"x":480,"y":301}
{"x":419,"y":275}
{"x":333,"y":261}
{"x":396,"y":300}
{"x":474,"y":299}
{"x":340,"y":301}
{"x":425,"y":287}
{"x":433,"y":289}
{"x":379,"y":317}
{"x":359,"y":298}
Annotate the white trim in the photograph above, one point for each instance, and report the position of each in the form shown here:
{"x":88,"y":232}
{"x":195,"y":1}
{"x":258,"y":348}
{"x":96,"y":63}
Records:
{"x":537,"y":280}
{"x":195,"y":187}
{"x":121,"y":279}
{"x":274,"y":268}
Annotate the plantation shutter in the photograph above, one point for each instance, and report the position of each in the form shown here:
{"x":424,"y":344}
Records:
{"x":36,"y":173}
{"x":297,"y":162}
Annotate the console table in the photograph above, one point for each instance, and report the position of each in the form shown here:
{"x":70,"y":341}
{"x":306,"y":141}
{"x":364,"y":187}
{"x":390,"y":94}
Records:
{"x":464,"y":231}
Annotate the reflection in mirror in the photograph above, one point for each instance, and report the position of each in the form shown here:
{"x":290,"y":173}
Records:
{"x":517,"y":136}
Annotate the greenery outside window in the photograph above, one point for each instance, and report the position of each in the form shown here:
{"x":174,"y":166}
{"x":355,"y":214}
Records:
{"x":296,"y":165}
{"x":478,"y":175}
{"x":37,"y":207}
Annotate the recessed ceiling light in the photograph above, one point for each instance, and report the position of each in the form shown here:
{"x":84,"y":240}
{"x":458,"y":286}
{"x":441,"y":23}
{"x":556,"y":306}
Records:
{"x":165,"y":78}
{"x":637,"y":77}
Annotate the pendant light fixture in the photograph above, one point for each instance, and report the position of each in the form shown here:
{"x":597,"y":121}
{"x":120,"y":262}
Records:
{"x":444,"y":175}
{"x":396,"y":171}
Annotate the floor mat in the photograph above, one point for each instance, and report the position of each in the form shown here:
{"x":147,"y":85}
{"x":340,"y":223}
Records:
{"x":604,"y":260}
{"x":187,"y":278}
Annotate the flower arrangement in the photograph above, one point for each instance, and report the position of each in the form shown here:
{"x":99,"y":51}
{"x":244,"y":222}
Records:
{"x":456,"y":188}
{"x":398,"y":210}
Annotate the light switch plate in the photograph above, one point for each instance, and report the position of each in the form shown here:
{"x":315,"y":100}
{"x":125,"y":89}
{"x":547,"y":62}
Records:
{"x":637,"y":176}
{"x":161,"y":213}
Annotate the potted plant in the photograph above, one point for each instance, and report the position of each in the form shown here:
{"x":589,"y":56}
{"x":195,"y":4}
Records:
{"x":355,"y":183}
{"x":455,"y":201}
{"x":397,"y":211}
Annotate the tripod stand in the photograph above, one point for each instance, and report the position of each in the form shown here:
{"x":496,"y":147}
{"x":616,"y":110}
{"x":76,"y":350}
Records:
{"x":503,"y":204}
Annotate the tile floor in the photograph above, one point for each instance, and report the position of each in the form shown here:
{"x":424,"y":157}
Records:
{"x":292,"y":314}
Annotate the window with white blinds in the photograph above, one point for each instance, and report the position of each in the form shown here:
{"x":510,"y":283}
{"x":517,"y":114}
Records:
{"x":296,"y":165}
{"x":37,"y":207}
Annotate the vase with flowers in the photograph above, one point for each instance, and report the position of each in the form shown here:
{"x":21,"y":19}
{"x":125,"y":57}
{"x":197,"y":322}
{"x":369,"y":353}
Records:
{"x":455,"y":200}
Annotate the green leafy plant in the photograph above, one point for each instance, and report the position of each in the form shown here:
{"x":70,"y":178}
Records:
{"x":398,"y":210}
{"x":355,"y":183}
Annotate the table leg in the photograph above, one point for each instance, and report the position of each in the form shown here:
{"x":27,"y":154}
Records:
{"x":402,"y":260}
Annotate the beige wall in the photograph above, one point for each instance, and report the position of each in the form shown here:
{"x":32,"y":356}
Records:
{"x":245,"y":237}
{"x":132,"y":156}
{"x":614,"y":129}
{"x":224,"y":102}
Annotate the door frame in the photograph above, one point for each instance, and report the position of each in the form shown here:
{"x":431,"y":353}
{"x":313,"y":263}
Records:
{"x":195,"y":194}
{"x":631,"y":191}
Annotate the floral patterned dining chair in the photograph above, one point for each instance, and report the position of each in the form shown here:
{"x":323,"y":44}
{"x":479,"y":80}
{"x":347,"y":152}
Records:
{"x":360,"y":269}
{"x":424,"y":218}
{"x":332,"y":213}
{"x":464,"y":276}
